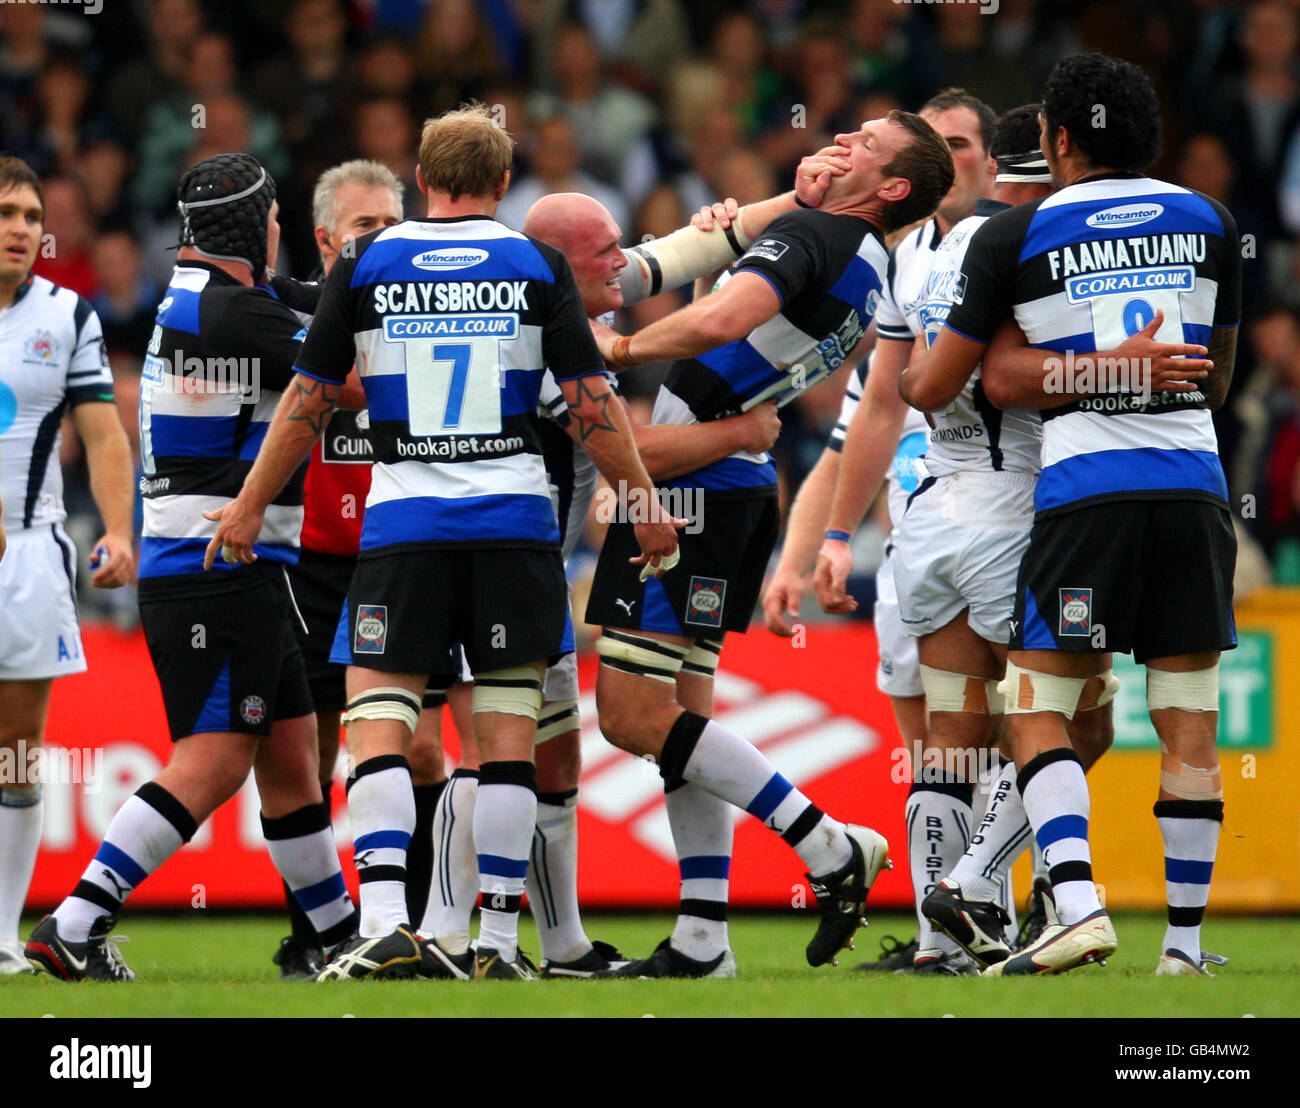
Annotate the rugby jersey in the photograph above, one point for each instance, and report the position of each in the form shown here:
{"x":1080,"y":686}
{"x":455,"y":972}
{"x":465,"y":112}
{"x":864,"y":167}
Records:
{"x":452,"y":323}
{"x":220,"y":357}
{"x":909,"y":263}
{"x":970,"y":433}
{"x":52,"y":357}
{"x":1083,"y":269}
{"x":908,"y":468}
{"x":828,"y":271}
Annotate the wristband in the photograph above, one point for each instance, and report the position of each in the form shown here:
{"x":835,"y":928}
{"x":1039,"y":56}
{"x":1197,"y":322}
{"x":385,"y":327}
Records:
{"x":621,"y":353}
{"x":842,"y":536}
{"x":801,"y":203}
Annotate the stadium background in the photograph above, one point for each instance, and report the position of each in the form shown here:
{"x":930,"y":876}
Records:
{"x":655,"y":107}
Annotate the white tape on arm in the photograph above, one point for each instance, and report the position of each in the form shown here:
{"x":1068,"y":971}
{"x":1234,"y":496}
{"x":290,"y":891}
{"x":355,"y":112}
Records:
{"x":677,"y":259}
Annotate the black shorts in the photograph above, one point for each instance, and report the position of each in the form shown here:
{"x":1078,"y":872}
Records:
{"x":408,"y":609}
{"x":224,"y":650}
{"x":320,"y":588}
{"x":1153,"y":577}
{"x":715,"y":586}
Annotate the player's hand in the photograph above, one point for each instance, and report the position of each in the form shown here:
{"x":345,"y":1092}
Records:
{"x":760,"y":427}
{"x":722,"y":212}
{"x":605,"y":337}
{"x":4,"y":542}
{"x":830,"y":579}
{"x":781,"y":599}
{"x":816,"y":171}
{"x":657,"y":539}
{"x":113,"y":562}
{"x":1169,"y":366}
{"x":238,"y":526}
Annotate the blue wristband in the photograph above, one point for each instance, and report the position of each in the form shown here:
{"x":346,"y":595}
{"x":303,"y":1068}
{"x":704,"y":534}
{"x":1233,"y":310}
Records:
{"x":843,"y":536}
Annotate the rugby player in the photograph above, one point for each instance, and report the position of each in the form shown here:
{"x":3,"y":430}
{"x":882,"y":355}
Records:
{"x":1131,"y":508}
{"x":231,"y":672}
{"x":451,"y":321}
{"x":52,"y":361}
{"x":794,"y":307}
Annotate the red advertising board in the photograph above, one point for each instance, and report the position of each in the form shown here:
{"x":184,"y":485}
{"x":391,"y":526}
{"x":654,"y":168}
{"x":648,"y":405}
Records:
{"x":813,"y":709}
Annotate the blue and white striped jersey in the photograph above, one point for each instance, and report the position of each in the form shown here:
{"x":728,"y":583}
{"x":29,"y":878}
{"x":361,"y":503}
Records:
{"x":828,"y":271}
{"x":452,"y":323}
{"x":1083,"y":270}
{"x":51,"y":358}
{"x":221,"y":355}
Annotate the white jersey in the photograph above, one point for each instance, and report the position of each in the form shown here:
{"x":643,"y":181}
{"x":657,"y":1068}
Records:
{"x":970,"y":433}
{"x":908,"y":469}
{"x":52,"y":357}
{"x":898,"y":316}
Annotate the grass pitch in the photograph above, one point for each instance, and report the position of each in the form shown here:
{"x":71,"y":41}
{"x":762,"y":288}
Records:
{"x":220,"y":966}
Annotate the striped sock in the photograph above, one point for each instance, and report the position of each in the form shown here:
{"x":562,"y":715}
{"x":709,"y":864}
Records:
{"x":703,"y":832}
{"x":419,"y":856}
{"x":455,"y":867}
{"x":1190,"y":829}
{"x":505,"y":815}
{"x":1055,"y":795}
{"x":301,"y":845}
{"x":1001,"y":837}
{"x":382,"y":809}
{"x":147,"y":830}
{"x":938,"y":827}
{"x":553,"y":878}
{"x":723,"y":763}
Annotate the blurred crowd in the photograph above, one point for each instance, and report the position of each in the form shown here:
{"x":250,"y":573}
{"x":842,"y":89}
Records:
{"x":654,"y":107}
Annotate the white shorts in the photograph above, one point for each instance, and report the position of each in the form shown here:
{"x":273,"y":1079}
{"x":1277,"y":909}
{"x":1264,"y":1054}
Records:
{"x":959,"y":546}
{"x":899,"y":672}
{"x":39,"y":636}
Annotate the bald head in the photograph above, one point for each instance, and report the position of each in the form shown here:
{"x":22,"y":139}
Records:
{"x":587,"y":235}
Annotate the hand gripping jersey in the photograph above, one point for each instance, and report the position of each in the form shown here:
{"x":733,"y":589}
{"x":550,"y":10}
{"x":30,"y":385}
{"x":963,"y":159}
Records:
{"x":220,"y":357}
{"x":970,"y":433}
{"x":51,"y":357}
{"x":828,"y":271}
{"x":451,"y":323}
{"x":1084,"y":269}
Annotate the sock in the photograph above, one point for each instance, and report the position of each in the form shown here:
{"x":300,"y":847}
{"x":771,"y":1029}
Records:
{"x":721,"y":762}
{"x":1190,"y":829}
{"x":454,"y":888}
{"x":1055,"y":795}
{"x":382,"y":809}
{"x":301,"y":845}
{"x":702,"y":834}
{"x":553,"y":878}
{"x":505,"y":815}
{"x":419,"y":855}
{"x":147,"y":830}
{"x":21,"y":814}
{"x":938,"y":828}
{"x":1001,"y":837}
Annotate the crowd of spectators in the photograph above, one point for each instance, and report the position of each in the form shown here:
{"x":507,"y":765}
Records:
{"x":652,"y":106}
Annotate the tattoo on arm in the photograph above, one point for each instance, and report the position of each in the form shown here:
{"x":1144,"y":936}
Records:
{"x":1222,"y":351}
{"x":602,"y":422}
{"x":314,"y":403}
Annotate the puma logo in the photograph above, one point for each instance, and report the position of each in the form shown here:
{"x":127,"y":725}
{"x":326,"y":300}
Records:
{"x":363,"y":859}
{"x":627,"y":607}
{"x":1014,"y":624}
{"x":118,"y":887}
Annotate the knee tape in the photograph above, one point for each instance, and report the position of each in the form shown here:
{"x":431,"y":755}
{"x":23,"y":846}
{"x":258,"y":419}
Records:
{"x":1028,"y":690}
{"x":558,"y":717}
{"x":645,"y":657}
{"x":1196,"y":691}
{"x":946,"y":691}
{"x":386,"y":702}
{"x":703,"y":657}
{"x":514,"y":691}
{"x":1189,"y":782}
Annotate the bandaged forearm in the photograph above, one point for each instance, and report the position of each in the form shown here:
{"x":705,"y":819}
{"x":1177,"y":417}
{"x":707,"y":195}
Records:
{"x":677,"y":259}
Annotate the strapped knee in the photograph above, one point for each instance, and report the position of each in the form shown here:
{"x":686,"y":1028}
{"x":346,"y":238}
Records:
{"x":1029,"y":690}
{"x":1194,"y":691}
{"x":946,"y":691}
{"x":703,"y":657}
{"x":1189,"y":782}
{"x":514,"y":691}
{"x":385,"y":702}
{"x":558,"y":717}
{"x":643,"y":656}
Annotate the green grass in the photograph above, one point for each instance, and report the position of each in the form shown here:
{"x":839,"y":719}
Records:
{"x":221,"y":966}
